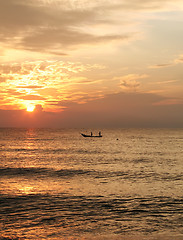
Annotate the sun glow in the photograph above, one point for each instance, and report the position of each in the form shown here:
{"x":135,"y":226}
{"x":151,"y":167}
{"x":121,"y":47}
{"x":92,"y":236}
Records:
{"x":30,"y":108}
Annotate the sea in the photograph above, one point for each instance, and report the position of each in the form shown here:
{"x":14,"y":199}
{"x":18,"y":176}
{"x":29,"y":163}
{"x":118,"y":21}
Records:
{"x":56,"y":184}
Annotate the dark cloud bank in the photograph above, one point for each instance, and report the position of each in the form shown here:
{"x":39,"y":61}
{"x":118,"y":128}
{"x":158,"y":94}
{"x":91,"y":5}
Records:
{"x":32,"y":25}
{"x":111,"y":111}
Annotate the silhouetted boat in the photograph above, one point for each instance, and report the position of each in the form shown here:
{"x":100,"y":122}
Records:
{"x":86,"y":135}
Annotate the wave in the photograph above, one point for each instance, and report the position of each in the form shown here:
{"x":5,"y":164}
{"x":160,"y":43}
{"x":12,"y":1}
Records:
{"x":80,"y":214}
{"x":128,"y":174}
{"x":41,"y":172}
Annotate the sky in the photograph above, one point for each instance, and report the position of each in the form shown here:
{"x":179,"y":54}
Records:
{"x":99,"y":63}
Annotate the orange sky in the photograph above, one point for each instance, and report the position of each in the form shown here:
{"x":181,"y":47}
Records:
{"x":91,"y":63}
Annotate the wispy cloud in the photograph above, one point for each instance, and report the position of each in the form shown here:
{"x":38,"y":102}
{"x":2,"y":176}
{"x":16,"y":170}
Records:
{"x":46,"y":81}
{"x":32,"y":97}
{"x":30,"y":86}
{"x":172,"y":63}
{"x":56,"y":26}
{"x":40,"y":26}
{"x":167,"y":82}
{"x":171,"y":101}
{"x":162,"y":65}
{"x":179,"y":59}
{"x":131,"y":82}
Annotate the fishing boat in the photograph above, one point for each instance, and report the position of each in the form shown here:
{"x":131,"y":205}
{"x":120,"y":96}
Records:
{"x":91,"y":135}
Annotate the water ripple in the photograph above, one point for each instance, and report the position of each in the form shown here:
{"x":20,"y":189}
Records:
{"x":79,"y":213}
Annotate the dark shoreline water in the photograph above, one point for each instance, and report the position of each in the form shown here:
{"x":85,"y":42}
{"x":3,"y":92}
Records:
{"x":54,"y":184}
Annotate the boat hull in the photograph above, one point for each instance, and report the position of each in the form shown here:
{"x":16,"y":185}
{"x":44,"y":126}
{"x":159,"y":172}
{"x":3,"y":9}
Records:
{"x":91,"y":136}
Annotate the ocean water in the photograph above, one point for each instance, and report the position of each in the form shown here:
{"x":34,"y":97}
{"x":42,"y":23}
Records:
{"x":127,"y":185}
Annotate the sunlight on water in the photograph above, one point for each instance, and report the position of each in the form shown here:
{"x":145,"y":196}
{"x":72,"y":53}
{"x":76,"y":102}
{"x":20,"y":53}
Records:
{"x":55,"y":184}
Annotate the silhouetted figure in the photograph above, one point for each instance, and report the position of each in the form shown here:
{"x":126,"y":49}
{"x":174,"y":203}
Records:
{"x":91,"y":134}
{"x":99,"y":133}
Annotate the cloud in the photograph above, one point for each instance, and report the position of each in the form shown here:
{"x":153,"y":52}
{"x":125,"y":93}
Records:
{"x":174,"y":62}
{"x":179,"y":59}
{"x":63,"y":38}
{"x":3,"y":78}
{"x":38,"y":108}
{"x":31,"y":87}
{"x":7,"y":68}
{"x":163,"y":65}
{"x":39,"y":26}
{"x":32,"y":97}
{"x":57,"y":26}
{"x":113,"y":110}
{"x":125,"y":110}
{"x":167,"y":82}
{"x":130,"y":82}
{"x":144,"y":5}
{"x":170,"y":101}
{"x":46,"y":81}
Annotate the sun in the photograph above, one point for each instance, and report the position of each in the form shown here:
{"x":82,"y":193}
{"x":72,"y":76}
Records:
{"x":30,"y":108}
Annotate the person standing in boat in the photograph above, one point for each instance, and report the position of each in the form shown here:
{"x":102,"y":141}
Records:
{"x":91,"y":134}
{"x":99,"y":133}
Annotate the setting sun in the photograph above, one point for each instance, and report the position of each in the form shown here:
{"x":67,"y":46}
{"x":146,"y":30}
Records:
{"x":30,"y":108}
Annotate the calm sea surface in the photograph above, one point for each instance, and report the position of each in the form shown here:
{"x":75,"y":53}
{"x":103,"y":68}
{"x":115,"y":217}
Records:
{"x":55,"y":184}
